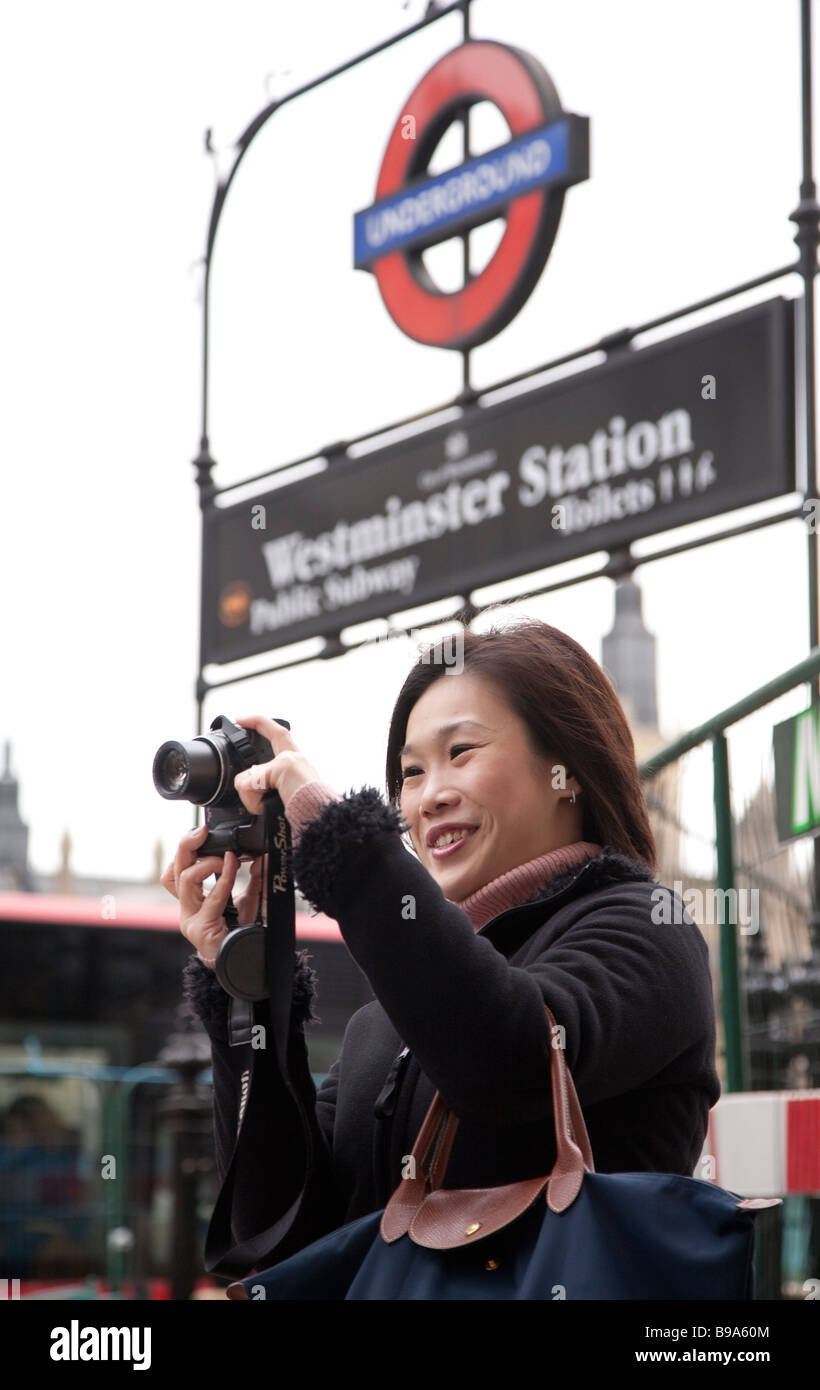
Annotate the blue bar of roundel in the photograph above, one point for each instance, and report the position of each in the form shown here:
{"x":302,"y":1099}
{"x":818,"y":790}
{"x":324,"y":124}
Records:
{"x":440,"y":226}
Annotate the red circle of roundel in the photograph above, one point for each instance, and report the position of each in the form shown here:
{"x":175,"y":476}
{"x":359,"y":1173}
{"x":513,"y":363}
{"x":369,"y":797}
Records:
{"x":480,"y":70}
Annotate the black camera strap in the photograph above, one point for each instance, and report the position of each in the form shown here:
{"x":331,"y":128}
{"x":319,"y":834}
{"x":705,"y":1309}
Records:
{"x":255,"y":964}
{"x":280,"y":938}
{"x":240,"y":1011}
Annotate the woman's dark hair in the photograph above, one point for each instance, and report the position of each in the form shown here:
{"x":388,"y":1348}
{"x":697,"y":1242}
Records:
{"x":571,"y":712}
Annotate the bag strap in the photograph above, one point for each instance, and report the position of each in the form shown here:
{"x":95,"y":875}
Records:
{"x":438,"y":1131}
{"x":566,"y":1108}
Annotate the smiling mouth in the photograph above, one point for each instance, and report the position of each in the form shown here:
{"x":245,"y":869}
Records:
{"x":452,"y":848}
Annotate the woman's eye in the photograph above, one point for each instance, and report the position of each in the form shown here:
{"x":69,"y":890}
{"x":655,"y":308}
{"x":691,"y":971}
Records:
{"x":454,"y":751}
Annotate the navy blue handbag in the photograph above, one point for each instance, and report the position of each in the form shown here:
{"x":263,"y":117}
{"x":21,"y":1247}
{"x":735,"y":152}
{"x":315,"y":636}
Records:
{"x":596,"y":1236}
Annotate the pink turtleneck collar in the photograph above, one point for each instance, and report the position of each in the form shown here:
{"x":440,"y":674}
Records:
{"x":519,"y":884}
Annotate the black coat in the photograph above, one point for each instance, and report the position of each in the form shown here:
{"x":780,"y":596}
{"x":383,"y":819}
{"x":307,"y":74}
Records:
{"x":463,"y":1012}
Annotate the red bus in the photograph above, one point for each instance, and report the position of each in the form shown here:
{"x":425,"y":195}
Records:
{"x":89,"y":994}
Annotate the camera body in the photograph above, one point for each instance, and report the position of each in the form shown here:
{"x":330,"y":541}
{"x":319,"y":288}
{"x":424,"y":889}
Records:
{"x":202,"y":771}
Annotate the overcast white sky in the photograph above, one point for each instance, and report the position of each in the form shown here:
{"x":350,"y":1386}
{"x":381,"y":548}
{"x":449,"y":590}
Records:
{"x":695,"y":166}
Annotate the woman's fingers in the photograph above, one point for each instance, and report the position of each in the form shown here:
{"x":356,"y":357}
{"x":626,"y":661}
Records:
{"x":192,"y":899}
{"x":168,"y":880}
{"x":183,"y":859}
{"x":251,"y":785}
{"x":285,"y":773}
{"x":201,"y":915}
{"x":277,"y":735}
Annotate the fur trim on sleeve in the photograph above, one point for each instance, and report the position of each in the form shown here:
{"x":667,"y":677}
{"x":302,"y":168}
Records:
{"x":205,"y":997}
{"x":208,"y":1001}
{"x":327,"y":842}
{"x":305,"y":991}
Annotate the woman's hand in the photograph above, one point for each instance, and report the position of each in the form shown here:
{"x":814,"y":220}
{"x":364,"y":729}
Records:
{"x":201,"y":918}
{"x":286,"y":773}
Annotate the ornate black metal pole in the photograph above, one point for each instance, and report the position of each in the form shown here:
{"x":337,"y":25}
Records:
{"x":204,"y":462}
{"x":187,"y":1111}
{"x":807,"y":237}
{"x":467,"y":392}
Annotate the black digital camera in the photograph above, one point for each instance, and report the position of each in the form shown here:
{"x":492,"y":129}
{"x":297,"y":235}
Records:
{"x":202,"y":770}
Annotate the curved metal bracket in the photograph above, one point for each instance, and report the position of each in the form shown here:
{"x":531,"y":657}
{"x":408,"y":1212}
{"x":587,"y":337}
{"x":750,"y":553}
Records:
{"x":249,"y":135}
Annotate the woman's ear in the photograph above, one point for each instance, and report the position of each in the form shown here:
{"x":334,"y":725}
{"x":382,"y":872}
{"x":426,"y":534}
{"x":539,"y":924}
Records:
{"x":563,"y":781}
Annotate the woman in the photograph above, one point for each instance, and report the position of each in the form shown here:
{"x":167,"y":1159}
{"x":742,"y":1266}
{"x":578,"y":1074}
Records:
{"x":532,"y":883}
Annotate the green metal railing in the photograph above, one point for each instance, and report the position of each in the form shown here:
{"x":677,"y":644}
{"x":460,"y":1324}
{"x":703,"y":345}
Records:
{"x":117,"y":1086}
{"x":714,"y":731}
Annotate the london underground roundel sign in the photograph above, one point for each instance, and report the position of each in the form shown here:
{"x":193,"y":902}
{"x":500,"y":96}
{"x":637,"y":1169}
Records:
{"x":524,"y":181}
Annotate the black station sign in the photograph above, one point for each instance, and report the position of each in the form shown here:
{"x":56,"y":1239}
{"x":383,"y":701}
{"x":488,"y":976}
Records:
{"x":689,"y":428}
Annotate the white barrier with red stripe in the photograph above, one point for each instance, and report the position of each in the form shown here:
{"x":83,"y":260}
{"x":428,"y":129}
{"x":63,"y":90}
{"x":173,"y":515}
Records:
{"x":764,"y":1143}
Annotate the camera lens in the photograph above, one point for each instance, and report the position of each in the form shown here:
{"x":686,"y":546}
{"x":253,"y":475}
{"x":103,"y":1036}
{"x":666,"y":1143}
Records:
{"x":173,"y":770}
{"x":189,"y":771}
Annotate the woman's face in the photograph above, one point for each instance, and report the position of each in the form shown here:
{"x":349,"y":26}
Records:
{"x":481,"y":775}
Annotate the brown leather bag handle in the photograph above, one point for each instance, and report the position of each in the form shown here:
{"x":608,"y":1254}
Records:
{"x":573,"y":1153}
{"x":573,"y":1123}
{"x":567,"y":1115}
{"x":441,"y":1154}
